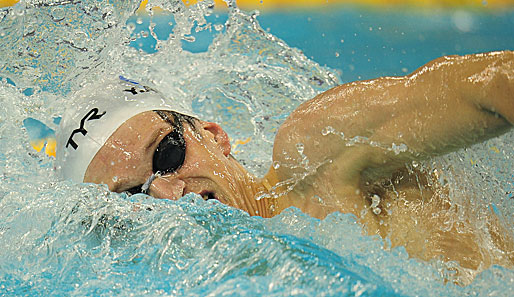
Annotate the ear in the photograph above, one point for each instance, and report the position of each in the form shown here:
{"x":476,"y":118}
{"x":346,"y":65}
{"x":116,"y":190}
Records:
{"x":220,"y":136}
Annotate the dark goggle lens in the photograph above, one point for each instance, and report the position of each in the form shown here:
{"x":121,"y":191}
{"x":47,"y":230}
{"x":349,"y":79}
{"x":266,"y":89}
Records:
{"x":170,"y":153}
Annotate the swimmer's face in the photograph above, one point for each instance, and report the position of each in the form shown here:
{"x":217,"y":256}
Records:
{"x":126,"y":161}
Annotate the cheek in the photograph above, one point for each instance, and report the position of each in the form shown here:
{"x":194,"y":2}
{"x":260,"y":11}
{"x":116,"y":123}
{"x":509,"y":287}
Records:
{"x":164,"y":188}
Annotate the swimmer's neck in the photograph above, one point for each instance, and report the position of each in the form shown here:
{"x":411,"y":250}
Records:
{"x":264,"y":197}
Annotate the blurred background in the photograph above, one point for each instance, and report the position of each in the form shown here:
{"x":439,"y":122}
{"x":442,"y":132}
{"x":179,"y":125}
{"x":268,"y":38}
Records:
{"x":369,"y":38}
{"x":360,"y":39}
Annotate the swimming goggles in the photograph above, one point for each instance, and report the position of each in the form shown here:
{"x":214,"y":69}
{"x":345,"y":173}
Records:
{"x":168,"y":157}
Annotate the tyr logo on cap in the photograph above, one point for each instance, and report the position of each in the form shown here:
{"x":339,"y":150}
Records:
{"x":91,"y":115}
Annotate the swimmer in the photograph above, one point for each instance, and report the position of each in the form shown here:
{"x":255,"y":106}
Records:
{"x":345,"y":150}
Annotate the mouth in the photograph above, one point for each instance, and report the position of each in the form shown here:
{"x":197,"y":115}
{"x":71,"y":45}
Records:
{"x":207,"y":195}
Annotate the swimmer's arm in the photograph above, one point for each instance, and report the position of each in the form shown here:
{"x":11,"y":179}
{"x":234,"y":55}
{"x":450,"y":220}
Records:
{"x":371,"y":128}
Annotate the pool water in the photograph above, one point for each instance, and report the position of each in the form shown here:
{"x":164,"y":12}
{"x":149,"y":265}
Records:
{"x":59,"y":238}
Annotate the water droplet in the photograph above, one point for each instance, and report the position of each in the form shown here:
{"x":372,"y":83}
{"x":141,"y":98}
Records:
{"x":463,"y":21}
{"x":58,"y":13}
{"x":131,"y":27}
{"x":375,"y":201}
{"x":327,"y":130}
{"x":114,"y":178}
{"x":401,"y":148}
{"x":189,"y":38}
{"x":80,"y":39}
{"x":300,"y":147}
{"x":139,"y":21}
{"x":337,"y":55}
{"x":112,"y":163}
{"x":276,"y":165}
{"x":318,"y":199}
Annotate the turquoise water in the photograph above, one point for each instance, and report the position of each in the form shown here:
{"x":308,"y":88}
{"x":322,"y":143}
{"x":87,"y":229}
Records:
{"x":364,"y":44}
{"x":58,"y":238}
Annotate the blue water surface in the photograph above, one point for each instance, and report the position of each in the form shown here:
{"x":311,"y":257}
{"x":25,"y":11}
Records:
{"x":365,"y":43}
{"x":59,"y":238}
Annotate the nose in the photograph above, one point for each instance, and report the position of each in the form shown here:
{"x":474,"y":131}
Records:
{"x":166,"y":188}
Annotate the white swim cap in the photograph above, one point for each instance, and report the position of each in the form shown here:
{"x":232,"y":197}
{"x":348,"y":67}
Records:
{"x":96,"y":112}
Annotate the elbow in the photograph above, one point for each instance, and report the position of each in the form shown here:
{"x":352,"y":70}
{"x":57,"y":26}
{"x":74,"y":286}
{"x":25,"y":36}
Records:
{"x":492,"y":88}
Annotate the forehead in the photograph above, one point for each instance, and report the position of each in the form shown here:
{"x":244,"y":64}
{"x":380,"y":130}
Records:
{"x":139,"y":128}
{"x":128,"y":151}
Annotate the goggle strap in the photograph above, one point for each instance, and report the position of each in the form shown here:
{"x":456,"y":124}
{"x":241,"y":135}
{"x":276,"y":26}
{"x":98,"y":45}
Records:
{"x":149,"y":181}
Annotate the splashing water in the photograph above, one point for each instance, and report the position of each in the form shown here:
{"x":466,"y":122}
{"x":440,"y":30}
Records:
{"x":60,"y":238}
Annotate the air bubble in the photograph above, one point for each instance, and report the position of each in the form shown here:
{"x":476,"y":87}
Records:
{"x":139,"y":21}
{"x":115,"y":179}
{"x":276,"y":165}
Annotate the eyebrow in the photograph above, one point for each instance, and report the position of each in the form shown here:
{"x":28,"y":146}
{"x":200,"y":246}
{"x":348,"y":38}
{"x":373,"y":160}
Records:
{"x":156,"y":133}
{"x":154,"y":138}
{"x":153,"y":141}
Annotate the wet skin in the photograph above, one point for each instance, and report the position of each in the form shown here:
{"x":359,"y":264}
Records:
{"x":209,"y":170}
{"x":374,"y":128}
